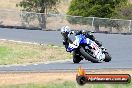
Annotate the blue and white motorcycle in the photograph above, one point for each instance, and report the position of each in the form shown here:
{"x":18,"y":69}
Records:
{"x":84,"y":48}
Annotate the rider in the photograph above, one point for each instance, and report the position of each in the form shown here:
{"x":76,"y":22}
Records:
{"x":66,"y":32}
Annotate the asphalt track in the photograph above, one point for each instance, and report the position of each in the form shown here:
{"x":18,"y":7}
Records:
{"x":119,"y":46}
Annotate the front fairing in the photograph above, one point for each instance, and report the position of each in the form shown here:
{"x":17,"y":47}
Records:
{"x":79,"y":39}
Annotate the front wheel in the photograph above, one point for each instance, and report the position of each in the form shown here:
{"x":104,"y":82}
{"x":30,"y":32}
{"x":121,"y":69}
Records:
{"x":76,"y":57}
{"x":88,"y":57}
{"x":107,"y":57}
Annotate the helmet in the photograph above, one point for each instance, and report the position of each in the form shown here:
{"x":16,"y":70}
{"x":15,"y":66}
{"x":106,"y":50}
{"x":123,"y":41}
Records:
{"x":84,"y":31}
{"x":65,"y":29}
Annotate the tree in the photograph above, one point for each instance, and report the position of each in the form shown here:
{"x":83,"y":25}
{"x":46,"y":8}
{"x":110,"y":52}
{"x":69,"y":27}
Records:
{"x":39,"y":6}
{"x":94,"y":8}
{"x":124,"y":12}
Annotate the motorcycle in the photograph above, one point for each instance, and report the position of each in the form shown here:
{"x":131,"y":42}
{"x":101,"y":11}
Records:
{"x":84,"y":48}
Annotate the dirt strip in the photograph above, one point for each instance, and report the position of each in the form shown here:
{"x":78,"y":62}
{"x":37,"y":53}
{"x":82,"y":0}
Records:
{"x":44,"y":78}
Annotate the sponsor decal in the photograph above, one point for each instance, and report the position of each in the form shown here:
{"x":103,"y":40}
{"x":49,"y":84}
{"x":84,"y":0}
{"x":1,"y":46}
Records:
{"x":83,"y":78}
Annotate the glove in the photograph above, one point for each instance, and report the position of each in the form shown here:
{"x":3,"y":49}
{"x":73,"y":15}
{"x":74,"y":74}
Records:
{"x":64,"y":42}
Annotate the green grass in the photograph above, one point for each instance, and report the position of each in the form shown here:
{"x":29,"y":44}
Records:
{"x":17,"y":53}
{"x":70,"y":84}
{"x":4,"y":51}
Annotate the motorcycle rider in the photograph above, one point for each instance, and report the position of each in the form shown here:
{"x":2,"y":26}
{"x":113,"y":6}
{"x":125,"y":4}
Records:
{"x":66,"y":32}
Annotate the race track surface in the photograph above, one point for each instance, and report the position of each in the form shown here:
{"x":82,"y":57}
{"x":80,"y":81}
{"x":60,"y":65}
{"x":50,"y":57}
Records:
{"x":119,"y":46}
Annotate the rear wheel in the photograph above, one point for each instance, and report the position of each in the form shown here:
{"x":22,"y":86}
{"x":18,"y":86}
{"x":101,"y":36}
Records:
{"x":107,"y":57}
{"x":87,"y":56}
{"x":76,"y":57}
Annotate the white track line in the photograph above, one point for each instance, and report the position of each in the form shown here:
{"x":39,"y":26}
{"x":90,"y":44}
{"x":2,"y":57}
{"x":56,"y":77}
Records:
{"x":47,"y":62}
{"x":20,"y":41}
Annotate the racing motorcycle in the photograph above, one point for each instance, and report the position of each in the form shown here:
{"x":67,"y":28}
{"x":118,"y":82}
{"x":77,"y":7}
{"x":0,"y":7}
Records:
{"x":84,"y":48}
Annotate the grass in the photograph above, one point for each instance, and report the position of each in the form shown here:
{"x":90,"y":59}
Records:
{"x":17,"y":53}
{"x":69,"y":84}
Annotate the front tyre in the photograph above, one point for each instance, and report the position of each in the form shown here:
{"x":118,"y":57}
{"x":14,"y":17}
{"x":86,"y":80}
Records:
{"x":88,"y":57}
{"x":107,"y":57}
{"x":76,"y":57}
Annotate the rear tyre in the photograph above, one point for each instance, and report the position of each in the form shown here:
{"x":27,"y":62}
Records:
{"x":88,"y":57}
{"x":107,"y":57}
{"x":76,"y":57}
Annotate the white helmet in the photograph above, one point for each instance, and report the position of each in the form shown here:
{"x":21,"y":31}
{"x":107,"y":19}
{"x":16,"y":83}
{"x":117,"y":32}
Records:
{"x":65,"y":29}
